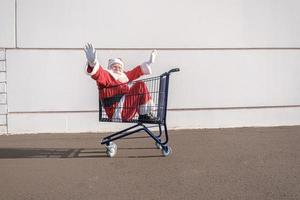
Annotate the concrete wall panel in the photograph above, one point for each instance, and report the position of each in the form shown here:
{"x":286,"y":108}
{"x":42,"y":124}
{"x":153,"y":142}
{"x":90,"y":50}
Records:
{"x":87,"y":122}
{"x":7,"y":23}
{"x":54,"y":80}
{"x":158,"y":24}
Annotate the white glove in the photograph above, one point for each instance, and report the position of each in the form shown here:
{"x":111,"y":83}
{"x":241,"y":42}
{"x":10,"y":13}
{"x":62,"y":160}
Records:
{"x":152,"y":57}
{"x":90,"y":54}
{"x":146,"y":65}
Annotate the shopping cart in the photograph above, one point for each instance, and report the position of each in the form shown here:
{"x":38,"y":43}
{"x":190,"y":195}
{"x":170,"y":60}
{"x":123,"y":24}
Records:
{"x":158,"y":91}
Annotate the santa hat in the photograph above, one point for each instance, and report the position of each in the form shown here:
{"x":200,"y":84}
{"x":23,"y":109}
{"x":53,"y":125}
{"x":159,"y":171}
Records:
{"x":113,"y":61}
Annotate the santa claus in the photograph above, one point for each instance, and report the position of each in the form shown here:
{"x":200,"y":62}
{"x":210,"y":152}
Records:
{"x":120,"y":101}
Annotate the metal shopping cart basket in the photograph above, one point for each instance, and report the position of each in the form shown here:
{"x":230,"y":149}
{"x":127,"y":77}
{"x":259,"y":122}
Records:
{"x":157,"y":91}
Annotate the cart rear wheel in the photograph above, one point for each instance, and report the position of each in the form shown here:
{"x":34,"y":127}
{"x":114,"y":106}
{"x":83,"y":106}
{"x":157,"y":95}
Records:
{"x":166,"y":150}
{"x":111,"y":149}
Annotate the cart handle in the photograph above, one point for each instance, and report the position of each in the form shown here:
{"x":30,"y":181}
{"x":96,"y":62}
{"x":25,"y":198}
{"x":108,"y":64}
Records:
{"x":173,"y":70}
{"x":170,"y":71}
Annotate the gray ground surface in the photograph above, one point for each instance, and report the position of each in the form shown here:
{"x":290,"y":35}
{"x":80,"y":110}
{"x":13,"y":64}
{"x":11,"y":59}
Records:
{"x":242,"y":163}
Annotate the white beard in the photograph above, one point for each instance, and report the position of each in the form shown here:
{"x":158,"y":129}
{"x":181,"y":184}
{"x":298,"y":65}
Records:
{"x":120,"y":76}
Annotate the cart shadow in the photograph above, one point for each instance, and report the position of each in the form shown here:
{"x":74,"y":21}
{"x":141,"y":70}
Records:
{"x":64,"y":153}
{"x":12,"y":153}
{"x":134,"y":137}
{"x":148,"y":156}
{"x":133,"y":148}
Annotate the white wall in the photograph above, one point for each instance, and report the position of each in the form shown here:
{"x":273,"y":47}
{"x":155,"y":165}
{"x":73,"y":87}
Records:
{"x":158,"y":24}
{"x":7,"y":23}
{"x":239,"y":60}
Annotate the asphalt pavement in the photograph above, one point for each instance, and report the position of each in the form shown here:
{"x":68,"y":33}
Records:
{"x":237,"y":163}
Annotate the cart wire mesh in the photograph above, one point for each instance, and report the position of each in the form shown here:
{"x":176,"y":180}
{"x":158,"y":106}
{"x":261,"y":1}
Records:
{"x":123,"y":98}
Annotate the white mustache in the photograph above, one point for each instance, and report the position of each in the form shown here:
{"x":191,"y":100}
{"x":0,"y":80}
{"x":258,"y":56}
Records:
{"x":117,"y":72}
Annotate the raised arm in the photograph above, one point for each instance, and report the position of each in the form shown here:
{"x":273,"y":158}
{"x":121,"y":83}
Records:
{"x":143,"y":69}
{"x":146,"y":66}
{"x":91,"y":55}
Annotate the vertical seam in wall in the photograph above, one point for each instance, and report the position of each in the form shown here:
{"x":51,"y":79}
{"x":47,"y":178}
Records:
{"x":16,"y":40}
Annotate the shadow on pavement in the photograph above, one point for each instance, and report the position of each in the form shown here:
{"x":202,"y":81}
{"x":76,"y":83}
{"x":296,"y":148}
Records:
{"x":15,"y":153}
{"x":50,"y":153}
{"x":134,"y":137}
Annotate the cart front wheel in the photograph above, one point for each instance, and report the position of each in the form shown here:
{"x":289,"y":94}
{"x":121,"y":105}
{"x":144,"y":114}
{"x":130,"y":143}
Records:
{"x":166,"y":150}
{"x":111,"y":149}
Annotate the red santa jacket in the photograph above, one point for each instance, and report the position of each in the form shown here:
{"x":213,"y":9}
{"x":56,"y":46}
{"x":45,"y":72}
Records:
{"x":106,"y":78}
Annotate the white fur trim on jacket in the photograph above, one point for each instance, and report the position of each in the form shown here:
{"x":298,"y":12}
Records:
{"x":95,"y":69}
{"x":146,"y":68}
